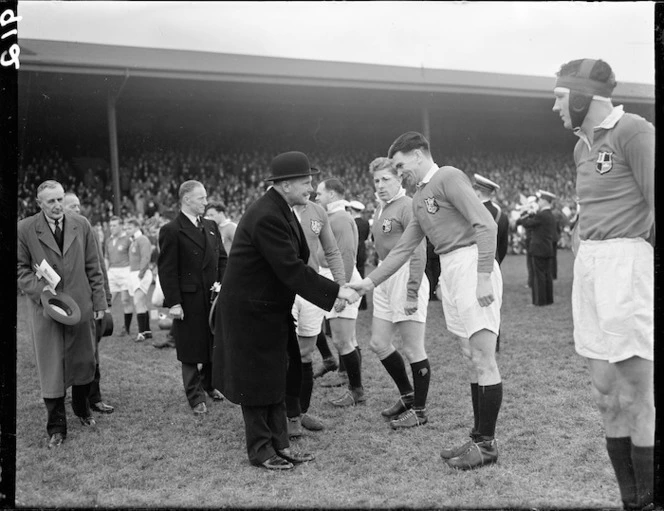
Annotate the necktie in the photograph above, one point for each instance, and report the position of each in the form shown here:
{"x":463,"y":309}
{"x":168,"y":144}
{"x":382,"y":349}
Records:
{"x":199,"y":224}
{"x":58,"y":234}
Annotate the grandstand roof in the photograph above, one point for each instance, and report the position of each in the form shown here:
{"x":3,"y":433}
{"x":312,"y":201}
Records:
{"x":148,"y":63}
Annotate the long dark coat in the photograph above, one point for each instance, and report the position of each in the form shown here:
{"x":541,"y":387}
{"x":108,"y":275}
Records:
{"x":543,"y":232}
{"x":267,"y":267}
{"x":503,"y":229}
{"x":189,"y":263}
{"x":65,"y":354}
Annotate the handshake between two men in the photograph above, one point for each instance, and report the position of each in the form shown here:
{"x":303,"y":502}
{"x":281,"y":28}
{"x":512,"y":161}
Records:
{"x":351,"y":293}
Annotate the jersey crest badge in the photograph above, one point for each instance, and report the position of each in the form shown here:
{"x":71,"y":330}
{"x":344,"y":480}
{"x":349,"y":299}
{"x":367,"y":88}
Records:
{"x":432,"y":205}
{"x":316,"y":226}
{"x":387,"y":225}
{"x":604,"y":162}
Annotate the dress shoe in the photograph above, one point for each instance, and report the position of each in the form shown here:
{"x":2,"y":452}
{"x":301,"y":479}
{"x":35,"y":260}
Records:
{"x":216,"y":395}
{"x":446,"y":454}
{"x":276,"y":463}
{"x":200,"y":409}
{"x":404,"y":404}
{"x":294,"y":456}
{"x":169,"y":342}
{"x":349,"y":398}
{"x":88,"y":421}
{"x":477,"y":455}
{"x":295,"y":427}
{"x":336,"y":380}
{"x":409,"y":419}
{"x":56,"y":440}
{"x":101,"y":407}
{"x":329,"y":364}
{"x":311,"y":423}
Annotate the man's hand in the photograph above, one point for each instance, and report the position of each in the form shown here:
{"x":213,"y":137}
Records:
{"x":176,"y":312}
{"x":348,"y":294}
{"x":362,"y":287}
{"x":485,"y":295}
{"x":410,"y":307}
{"x":339,"y":305}
{"x":99,"y":314}
{"x":48,"y":288}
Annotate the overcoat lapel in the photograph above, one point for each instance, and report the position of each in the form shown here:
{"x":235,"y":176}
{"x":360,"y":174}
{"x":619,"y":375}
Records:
{"x":45,"y":235}
{"x":71,"y":231}
{"x":189,"y":230}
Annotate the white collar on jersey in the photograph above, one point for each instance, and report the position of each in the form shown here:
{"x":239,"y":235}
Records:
{"x":337,"y":205}
{"x":429,"y":175}
{"x":398,"y":195}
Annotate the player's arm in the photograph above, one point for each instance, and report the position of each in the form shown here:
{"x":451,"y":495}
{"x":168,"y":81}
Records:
{"x":640,"y":156}
{"x":418,"y":262}
{"x":332,"y":253}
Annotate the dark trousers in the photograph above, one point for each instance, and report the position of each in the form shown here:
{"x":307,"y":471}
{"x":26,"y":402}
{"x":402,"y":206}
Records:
{"x":542,"y":281}
{"x":293,"y":377}
{"x":432,"y":270}
{"x":95,"y":392}
{"x":266,"y":430}
{"x":56,"y":421}
{"x":554,"y":261}
{"x":196,"y":383}
{"x":529,"y":267}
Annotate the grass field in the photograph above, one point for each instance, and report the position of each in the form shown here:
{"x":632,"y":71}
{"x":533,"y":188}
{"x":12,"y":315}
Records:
{"x":152,"y":452}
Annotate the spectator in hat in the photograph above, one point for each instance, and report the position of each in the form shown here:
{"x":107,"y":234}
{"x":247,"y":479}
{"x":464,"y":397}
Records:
{"x":544,"y":231}
{"x":65,"y":354}
{"x":356,"y":208}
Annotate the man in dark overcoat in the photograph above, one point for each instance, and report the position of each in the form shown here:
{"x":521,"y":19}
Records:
{"x":65,"y":353}
{"x":543,"y":231}
{"x":255,"y":336}
{"x":191,"y":259}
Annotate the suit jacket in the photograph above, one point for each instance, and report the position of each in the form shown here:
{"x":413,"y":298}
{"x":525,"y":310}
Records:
{"x":503,"y":229}
{"x":266,"y":268}
{"x":543,"y":232}
{"x":189,"y":263}
{"x":65,"y":355}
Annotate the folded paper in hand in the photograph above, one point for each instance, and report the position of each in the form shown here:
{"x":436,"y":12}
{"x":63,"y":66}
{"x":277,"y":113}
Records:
{"x":44,"y":270}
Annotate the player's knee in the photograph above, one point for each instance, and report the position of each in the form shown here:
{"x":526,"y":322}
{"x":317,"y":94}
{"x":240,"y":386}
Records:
{"x":413,"y":353}
{"x":607,"y":401}
{"x":381,"y":348}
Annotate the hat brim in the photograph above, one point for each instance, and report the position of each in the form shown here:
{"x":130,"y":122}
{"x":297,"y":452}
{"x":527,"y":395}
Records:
{"x":106,"y":325}
{"x":61,"y":308}
{"x":312,"y":172}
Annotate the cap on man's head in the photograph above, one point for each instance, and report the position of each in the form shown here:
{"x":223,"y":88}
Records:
{"x":356,"y":205}
{"x":485,"y":184}
{"x":542,"y":194}
{"x":290,"y":165}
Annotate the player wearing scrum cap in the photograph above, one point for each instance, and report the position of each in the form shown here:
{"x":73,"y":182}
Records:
{"x":543,"y":232}
{"x":612,"y":292}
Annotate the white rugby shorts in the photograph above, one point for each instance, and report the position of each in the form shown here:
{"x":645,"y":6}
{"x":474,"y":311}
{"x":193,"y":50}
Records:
{"x":464,"y":315}
{"x":389,"y":298}
{"x":351,"y":309}
{"x":118,"y":279}
{"x":613,"y":299}
{"x":308,"y":317}
{"x":143,"y":284}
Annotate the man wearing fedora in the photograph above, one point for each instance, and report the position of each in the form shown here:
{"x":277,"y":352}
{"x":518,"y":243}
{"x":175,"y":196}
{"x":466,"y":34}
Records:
{"x":103,"y":327}
{"x":544,"y":231}
{"x":255,"y":338}
{"x":64,"y":348}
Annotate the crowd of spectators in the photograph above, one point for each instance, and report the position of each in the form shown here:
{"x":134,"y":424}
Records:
{"x":150,"y":177}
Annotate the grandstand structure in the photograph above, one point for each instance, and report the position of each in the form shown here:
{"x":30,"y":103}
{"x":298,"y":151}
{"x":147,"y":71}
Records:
{"x":70,"y":91}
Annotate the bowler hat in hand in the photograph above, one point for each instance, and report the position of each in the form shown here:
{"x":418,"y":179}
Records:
{"x":290,"y":165}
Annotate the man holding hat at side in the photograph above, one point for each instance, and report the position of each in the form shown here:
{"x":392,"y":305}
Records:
{"x":255,"y":338}
{"x":544,"y":230}
{"x":64,"y":347}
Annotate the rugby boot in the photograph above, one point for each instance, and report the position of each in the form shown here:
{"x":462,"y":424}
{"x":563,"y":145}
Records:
{"x":410,"y":419}
{"x":404,"y":404}
{"x":295,"y":427}
{"x":350,"y":397}
{"x":446,"y":454}
{"x":329,"y":365}
{"x":338,"y":379}
{"x":477,"y":455}
{"x":311,"y":423}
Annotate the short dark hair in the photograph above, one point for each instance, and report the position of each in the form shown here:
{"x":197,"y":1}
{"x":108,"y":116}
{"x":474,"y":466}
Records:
{"x":114,"y":217}
{"x":334,"y":185}
{"x":134,"y":221}
{"x":408,"y":142}
{"x":217,"y":206}
{"x":601,"y":71}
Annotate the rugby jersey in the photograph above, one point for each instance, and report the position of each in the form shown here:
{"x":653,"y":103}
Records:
{"x":615,"y":178}
{"x":139,"y":252}
{"x":117,"y":251}
{"x":446,"y":210}
{"x":344,"y":229}
{"x":390,"y":221}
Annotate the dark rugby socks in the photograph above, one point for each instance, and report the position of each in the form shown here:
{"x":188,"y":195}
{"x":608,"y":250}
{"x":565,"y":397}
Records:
{"x":474,"y":395}
{"x":321,"y":344}
{"x":620,"y":454}
{"x":490,"y":397}
{"x":307,"y":386}
{"x":395,"y":367}
{"x":127,"y":320}
{"x":352,"y":363}
{"x":421,"y":377}
{"x":643,"y":461}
